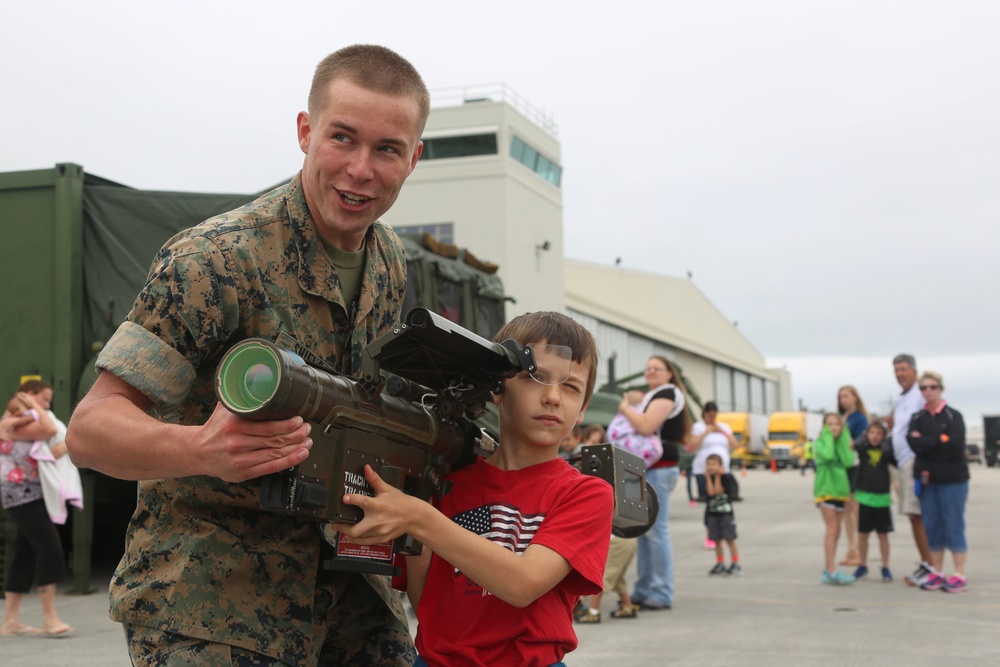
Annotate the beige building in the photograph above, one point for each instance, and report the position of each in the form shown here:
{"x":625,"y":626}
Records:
{"x":682,"y":325}
{"x":490,"y":181}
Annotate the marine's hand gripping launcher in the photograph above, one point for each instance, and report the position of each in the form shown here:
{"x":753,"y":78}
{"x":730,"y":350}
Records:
{"x":413,"y":427}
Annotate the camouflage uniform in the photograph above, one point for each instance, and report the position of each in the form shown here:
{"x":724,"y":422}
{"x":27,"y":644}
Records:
{"x":201,"y":559}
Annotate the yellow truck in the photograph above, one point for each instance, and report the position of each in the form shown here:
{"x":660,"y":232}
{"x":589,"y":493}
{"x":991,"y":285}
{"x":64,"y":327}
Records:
{"x":788,"y":433}
{"x":750,"y":431}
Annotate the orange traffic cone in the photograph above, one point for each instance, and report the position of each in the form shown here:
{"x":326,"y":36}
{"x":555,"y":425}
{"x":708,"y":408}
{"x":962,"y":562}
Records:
{"x":774,"y":465}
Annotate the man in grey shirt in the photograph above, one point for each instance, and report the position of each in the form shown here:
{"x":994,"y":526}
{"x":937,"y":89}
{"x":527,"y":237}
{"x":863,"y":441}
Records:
{"x":908,"y":403}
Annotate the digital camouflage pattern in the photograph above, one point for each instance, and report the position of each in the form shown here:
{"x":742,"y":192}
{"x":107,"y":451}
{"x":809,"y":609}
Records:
{"x":201,"y":559}
{"x":366,"y":640}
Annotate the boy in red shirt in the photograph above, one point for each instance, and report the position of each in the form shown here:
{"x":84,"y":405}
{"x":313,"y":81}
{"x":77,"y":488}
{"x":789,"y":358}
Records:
{"x":507,"y":599}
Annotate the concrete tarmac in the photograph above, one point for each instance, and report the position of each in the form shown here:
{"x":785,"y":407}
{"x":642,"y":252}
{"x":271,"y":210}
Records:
{"x":777,"y":613}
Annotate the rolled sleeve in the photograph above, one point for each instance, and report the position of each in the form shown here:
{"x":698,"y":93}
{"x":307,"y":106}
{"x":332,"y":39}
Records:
{"x":149,"y":364}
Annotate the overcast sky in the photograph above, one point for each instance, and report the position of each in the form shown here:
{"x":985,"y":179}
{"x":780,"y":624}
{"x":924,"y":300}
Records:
{"x":828,"y":171}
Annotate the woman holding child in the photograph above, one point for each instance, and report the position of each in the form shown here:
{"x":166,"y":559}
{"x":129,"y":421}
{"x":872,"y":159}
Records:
{"x":37,"y":555}
{"x":661,"y":411}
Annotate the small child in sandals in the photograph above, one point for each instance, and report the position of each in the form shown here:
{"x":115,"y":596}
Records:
{"x":620,"y":555}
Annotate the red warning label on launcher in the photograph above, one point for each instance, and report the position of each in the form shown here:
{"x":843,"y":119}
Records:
{"x":349,"y":549}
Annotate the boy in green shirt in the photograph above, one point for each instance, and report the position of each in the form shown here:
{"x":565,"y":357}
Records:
{"x":873,"y":485}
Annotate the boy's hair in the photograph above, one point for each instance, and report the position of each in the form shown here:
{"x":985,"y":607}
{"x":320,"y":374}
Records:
{"x":374,"y":68}
{"x":555,"y":329}
{"x":879,"y":425}
{"x":713,"y":457}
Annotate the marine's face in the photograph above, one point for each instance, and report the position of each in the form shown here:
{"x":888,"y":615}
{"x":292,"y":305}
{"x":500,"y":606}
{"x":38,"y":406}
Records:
{"x":360,"y":146}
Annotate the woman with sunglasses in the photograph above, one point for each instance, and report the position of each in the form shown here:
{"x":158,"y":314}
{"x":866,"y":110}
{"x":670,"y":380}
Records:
{"x":661,"y":411}
{"x":937,"y":437}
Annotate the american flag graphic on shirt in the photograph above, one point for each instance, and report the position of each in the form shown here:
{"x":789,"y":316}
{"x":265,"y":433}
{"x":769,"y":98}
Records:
{"x":502,"y":524}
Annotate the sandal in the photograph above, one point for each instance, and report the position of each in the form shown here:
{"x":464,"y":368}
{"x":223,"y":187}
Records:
{"x":590,"y":618}
{"x":625,"y":612}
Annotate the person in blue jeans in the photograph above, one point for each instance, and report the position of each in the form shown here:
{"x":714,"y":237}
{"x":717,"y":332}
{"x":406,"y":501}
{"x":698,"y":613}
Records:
{"x":937,"y":437}
{"x":665,"y":414}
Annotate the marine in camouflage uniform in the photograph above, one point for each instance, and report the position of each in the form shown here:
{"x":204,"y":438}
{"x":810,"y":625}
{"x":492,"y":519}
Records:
{"x":201,"y":559}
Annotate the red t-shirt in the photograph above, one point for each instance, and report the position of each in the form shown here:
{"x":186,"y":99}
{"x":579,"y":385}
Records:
{"x":551,"y":504}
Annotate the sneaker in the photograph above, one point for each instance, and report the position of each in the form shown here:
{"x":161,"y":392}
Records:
{"x":590,"y":617}
{"x":735,"y":570}
{"x":955,"y":584}
{"x":719,"y":568}
{"x":838,"y":578}
{"x":886,"y":575}
{"x":920,"y":575}
{"x":862,"y":571}
{"x":935,"y":582}
{"x":842,"y":578}
{"x":709,"y":544}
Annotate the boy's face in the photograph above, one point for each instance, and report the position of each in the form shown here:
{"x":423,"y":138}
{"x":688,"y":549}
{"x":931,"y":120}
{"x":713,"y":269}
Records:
{"x":713,"y":467}
{"x":876,"y":436}
{"x":542,"y":414}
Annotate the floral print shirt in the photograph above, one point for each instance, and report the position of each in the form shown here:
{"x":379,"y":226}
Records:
{"x":19,"y":481}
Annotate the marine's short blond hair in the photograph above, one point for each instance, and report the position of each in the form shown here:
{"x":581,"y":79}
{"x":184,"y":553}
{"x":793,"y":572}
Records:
{"x":374,"y":68}
{"x":555,"y":329}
